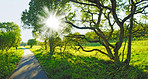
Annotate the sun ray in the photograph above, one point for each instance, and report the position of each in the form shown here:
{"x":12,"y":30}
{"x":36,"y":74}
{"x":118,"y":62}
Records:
{"x":50,"y":20}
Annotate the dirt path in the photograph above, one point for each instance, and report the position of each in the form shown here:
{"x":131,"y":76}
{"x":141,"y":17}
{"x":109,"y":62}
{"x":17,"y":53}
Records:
{"x":28,"y":68}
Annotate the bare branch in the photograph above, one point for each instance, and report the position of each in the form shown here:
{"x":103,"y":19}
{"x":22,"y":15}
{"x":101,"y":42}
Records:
{"x":137,"y":11}
{"x":92,"y":50}
{"x":99,"y":17}
{"x":111,"y":25}
{"x":126,"y":18}
{"x":141,"y":1}
{"x":75,"y":1}
{"x":83,"y":37}
{"x":91,"y":28}
{"x":99,"y":4}
{"x":142,"y":9}
{"x":115,"y":14}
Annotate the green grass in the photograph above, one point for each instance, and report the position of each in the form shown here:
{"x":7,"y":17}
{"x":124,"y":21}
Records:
{"x":14,"y":57}
{"x":139,"y":55}
{"x":82,"y":65}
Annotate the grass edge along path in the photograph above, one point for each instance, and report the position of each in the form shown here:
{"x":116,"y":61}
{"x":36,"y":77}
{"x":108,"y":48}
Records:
{"x":28,"y":68}
{"x":14,"y":58}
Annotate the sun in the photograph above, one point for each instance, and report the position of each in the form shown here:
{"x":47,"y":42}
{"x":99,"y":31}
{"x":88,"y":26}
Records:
{"x":52,"y":22}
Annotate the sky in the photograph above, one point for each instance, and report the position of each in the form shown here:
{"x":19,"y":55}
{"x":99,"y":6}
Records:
{"x":11,"y":10}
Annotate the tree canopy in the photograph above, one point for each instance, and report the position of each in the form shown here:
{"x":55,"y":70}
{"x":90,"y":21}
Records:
{"x":9,"y":35}
{"x":107,"y":15}
{"x":38,"y":11}
{"x":105,"y":18}
{"x":30,"y":18}
{"x":32,"y":42}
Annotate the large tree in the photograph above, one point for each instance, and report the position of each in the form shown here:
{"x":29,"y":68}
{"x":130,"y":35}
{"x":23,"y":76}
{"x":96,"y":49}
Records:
{"x":37,"y":8}
{"x":102,"y":15}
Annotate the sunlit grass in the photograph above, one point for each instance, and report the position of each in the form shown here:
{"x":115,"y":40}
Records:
{"x":14,"y":57}
{"x":78,"y":64}
{"x":139,"y":55}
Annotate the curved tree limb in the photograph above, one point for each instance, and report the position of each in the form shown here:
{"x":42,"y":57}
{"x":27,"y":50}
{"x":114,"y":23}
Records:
{"x":92,"y":50}
{"x":92,"y":28}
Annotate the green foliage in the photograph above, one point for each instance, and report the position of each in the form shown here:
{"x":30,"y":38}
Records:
{"x":23,"y":44}
{"x":91,"y":44}
{"x":42,"y":44}
{"x":14,"y":57}
{"x":31,"y":42}
{"x":9,"y":35}
{"x":83,"y":66}
{"x":91,"y":36}
{"x":102,"y":17}
{"x":107,"y":20}
{"x":39,"y":10}
{"x":29,"y":17}
{"x":140,"y":30}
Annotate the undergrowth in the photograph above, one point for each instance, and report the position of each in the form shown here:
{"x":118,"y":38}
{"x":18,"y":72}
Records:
{"x":6,"y":68}
{"x":68,"y":66}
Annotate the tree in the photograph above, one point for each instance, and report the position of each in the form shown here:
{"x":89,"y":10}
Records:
{"x":31,"y":19}
{"x":9,"y":35}
{"x":96,"y":15}
{"x":23,"y":44}
{"x":31,"y":42}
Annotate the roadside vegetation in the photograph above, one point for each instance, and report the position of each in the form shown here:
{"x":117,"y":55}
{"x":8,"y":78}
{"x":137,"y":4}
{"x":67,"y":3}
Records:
{"x":14,"y":57}
{"x":73,"y":64}
{"x":10,"y":54}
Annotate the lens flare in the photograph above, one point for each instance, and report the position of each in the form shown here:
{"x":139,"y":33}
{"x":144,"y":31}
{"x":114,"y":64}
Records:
{"x":53,"y":22}
{"x":50,"y":21}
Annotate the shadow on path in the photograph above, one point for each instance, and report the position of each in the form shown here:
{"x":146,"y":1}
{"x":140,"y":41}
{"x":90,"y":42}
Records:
{"x":28,"y":68}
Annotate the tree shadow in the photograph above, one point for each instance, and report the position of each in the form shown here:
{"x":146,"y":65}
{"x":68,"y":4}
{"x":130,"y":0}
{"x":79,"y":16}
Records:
{"x":38,"y":50}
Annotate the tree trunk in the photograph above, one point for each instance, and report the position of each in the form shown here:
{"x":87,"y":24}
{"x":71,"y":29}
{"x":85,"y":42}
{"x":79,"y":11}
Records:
{"x":31,"y":46}
{"x":45,"y":47}
{"x":51,"y":45}
{"x":116,"y":57}
{"x":45,"y":44}
{"x":127,"y":61}
{"x":129,"y":42}
{"x":7,"y":59}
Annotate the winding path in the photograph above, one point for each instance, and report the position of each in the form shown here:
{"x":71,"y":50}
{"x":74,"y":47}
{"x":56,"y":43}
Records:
{"x":28,"y":68}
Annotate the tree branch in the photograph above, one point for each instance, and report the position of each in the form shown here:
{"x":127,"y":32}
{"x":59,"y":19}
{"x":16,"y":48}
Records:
{"x":92,"y":50}
{"x":83,"y":37}
{"x":99,"y":4}
{"x":91,"y":28}
{"x":141,"y":1}
{"x":115,"y":14}
{"x":111,"y":25}
{"x":75,"y":1}
{"x":126,"y":18}
{"x":141,"y":9}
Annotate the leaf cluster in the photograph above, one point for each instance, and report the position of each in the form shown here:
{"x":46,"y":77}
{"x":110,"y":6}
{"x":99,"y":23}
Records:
{"x":9,"y":35}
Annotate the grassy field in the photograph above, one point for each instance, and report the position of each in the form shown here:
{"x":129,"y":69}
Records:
{"x":14,"y":57}
{"x":82,"y":65}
